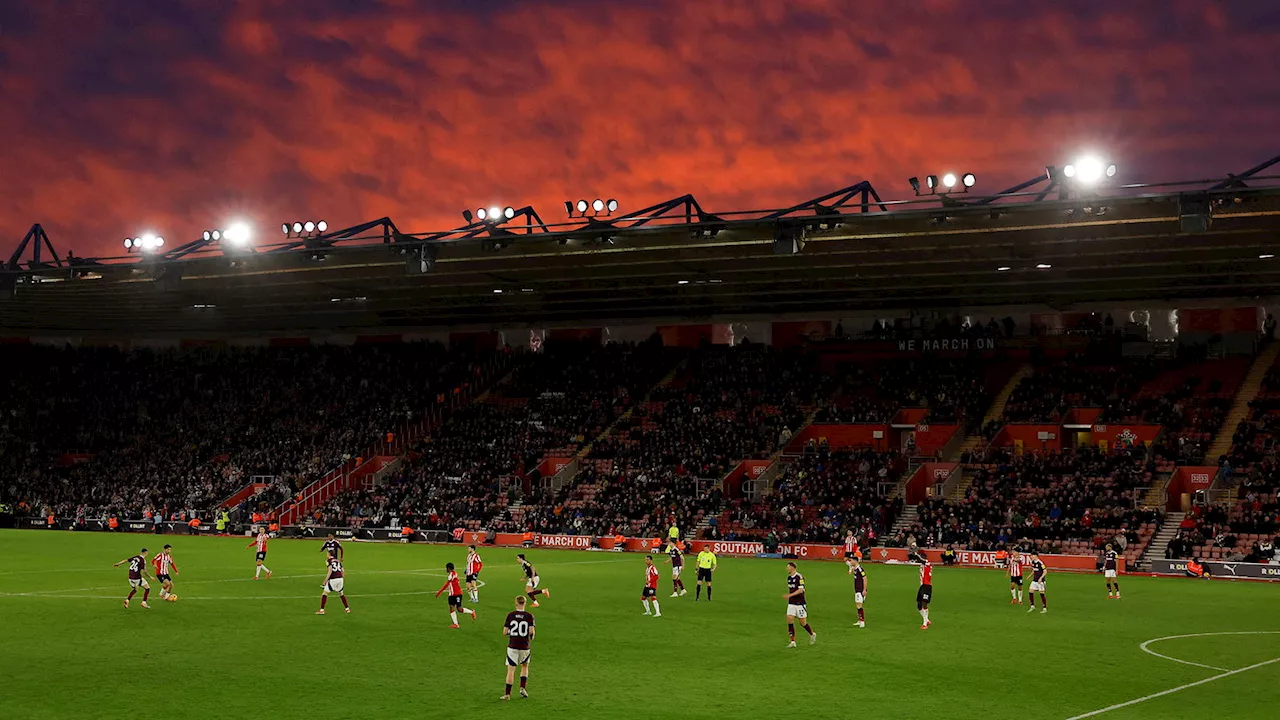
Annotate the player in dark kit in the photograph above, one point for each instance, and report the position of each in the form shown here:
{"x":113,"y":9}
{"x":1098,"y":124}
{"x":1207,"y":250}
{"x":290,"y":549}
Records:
{"x":676,"y":557}
{"x":925,"y":594}
{"x":1109,"y":572}
{"x":531,"y":580}
{"x":796,"y":609}
{"x":333,"y":582}
{"x":518,"y":627}
{"x":1038,"y":577}
{"x":859,"y":590}
{"x":455,"y":596}
{"x":333,"y":547}
{"x":137,"y":577}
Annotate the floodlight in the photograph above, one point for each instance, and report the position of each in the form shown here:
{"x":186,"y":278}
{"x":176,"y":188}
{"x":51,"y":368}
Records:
{"x":237,"y":234}
{"x":508,"y":212}
{"x":482,"y":213}
{"x":159,"y":241}
{"x":611,"y":205}
{"x":207,"y":236}
{"x":1043,"y":266}
{"x":322,"y":226}
{"x":568,"y":207}
{"x":466,"y":215}
{"x":969,"y":180}
{"x":297,"y":227}
{"x":495,"y":213}
{"x":217,"y":234}
{"x":931,"y":181}
{"x":949,"y":180}
{"x":582,"y":206}
{"x":1003,"y":268}
{"x":1111,"y":170}
{"x":915,"y":184}
{"x":597,"y":205}
{"x":1069,"y":170}
{"x":128,"y":243}
{"x":309,"y":226}
{"x":285,"y":228}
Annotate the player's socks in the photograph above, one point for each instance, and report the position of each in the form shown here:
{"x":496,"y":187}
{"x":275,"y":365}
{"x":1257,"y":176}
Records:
{"x":809,"y":629}
{"x":146,"y":593}
{"x":1044,"y":600}
{"x":791,"y":632}
{"x":1019,"y":597}
{"x":324,"y":599}
{"x":345,"y":604}
{"x":697,"y":593}
{"x":646,"y":606}
{"x":507,"y":694}
{"x":131,"y":594}
{"x":657,"y":612}
{"x":524,"y":682}
{"x":708,"y":593}
{"x":267,"y":570}
{"x":257,"y":571}
{"x":535,"y":593}
{"x":924,"y":614}
{"x":861,"y":616}
{"x":453,"y":616}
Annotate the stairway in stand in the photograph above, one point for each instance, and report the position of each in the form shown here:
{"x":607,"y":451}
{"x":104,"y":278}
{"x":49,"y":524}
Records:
{"x":993,"y":413}
{"x":910,"y":514}
{"x":585,"y":450}
{"x":1160,"y":542}
{"x":1240,"y":408}
{"x":1155,"y":495}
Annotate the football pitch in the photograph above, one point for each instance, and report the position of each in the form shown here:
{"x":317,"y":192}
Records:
{"x":235,"y":647}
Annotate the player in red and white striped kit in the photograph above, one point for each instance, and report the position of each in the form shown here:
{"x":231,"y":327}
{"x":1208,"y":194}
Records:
{"x":165,"y":568}
{"x":474,"y":566}
{"x":851,"y":551}
{"x":650,"y":591}
{"x":454,"y":587}
{"x":1015,"y":577}
{"x":261,"y":543}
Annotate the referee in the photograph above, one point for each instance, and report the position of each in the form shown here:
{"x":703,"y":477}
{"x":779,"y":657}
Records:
{"x":706,"y":563}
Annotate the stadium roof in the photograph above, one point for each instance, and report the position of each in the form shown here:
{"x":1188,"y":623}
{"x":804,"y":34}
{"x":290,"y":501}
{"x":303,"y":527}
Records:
{"x":855,"y":254}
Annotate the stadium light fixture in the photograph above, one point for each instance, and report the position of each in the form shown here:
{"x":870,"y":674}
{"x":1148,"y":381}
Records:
{"x":1089,"y":170}
{"x":304,"y":228}
{"x":1043,"y":266}
{"x":1003,"y":268}
{"x":596,"y":207}
{"x":508,"y":212}
{"x":950,"y":182}
{"x":495,"y":213}
{"x":1266,"y":256}
{"x":147,"y":242}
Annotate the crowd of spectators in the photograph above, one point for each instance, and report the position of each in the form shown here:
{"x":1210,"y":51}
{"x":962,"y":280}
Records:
{"x":1051,"y":390}
{"x":91,"y":431}
{"x":820,"y":496}
{"x":553,"y":401}
{"x":727,"y":404}
{"x":1057,"y":501}
{"x":952,"y":390}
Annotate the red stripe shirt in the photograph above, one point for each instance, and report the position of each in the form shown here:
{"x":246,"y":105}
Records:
{"x":651,"y":577}
{"x":455,"y":588}
{"x":262,"y":542}
{"x":163,"y":563}
{"x":474,"y":564}
{"x":926,"y":574}
{"x":1015,"y":567}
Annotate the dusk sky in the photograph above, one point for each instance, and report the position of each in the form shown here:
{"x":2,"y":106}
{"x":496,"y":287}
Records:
{"x":180,"y":115}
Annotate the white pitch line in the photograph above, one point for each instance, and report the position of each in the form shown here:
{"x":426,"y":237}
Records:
{"x":193,"y":597}
{"x":1170,"y":691}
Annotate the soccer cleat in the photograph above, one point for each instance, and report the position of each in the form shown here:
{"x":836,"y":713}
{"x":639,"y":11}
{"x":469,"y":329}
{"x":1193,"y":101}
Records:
{"x":453,"y":626}
{"x":1013,"y":602}
{"x":268,"y":574}
{"x":255,"y":577}
{"x":1044,"y":611}
{"x":861,"y":624}
{"x":145,"y":605}
{"x":505,"y":697}
{"x":646,"y":612}
{"x":1117,"y":597}
{"x":524,"y":693}
{"x":547,"y":593}
{"x":320,"y":611}
{"x":1031,"y":609}
{"x":126,"y":604}
{"x":813,"y":639}
{"x":535,"y":604}
{"x":791,"y":644}
{"x":683,"y":592}
{"x":675,"y":594}
{"x":657,"y":614}
{"x":474,"y":615}
{"x":348,"y":611}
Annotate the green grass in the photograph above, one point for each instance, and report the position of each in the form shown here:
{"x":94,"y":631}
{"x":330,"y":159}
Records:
{"x":232,"y":647}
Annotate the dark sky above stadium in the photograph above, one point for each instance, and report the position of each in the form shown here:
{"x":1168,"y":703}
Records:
{"x":178,"y":115}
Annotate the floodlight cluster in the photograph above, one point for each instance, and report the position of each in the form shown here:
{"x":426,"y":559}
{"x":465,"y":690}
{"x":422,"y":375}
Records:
{"x":595,"y":207}
{"x":304,"y":228}
{"x":946,"y":183}
{"x":146,"y":242}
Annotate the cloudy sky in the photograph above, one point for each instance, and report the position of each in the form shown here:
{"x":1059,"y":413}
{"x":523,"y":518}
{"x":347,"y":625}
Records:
{"x":178,"y":115}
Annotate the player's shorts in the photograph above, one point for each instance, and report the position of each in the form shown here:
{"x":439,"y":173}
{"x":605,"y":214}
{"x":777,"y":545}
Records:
{"x":455,"y":601}
{"x":675,"y":570}
{"x":163,"y":578}
{"x":262,"y":556}
{"x":471,"y":577}
{"x":859,"y":598}
{"x":139,"y":583}
{"x":849,"y":556}
{"x":797,"y":611}
{"x":335,"y":585}
{"x":648,"y":592}
{"x":704,"y":574}
{"x":1016,"y":580}
{"x":516,"y":657}
{"x":924,"y":594}
{"x":1109,"y":574}
{"x":532,"y":583}
{"x":1037,"y":586}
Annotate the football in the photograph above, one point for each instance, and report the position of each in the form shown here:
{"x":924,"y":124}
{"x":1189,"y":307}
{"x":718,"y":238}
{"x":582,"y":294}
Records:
{"x":173,"y":598}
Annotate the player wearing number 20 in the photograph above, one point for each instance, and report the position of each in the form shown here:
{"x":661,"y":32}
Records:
{"x":518,"y":628}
